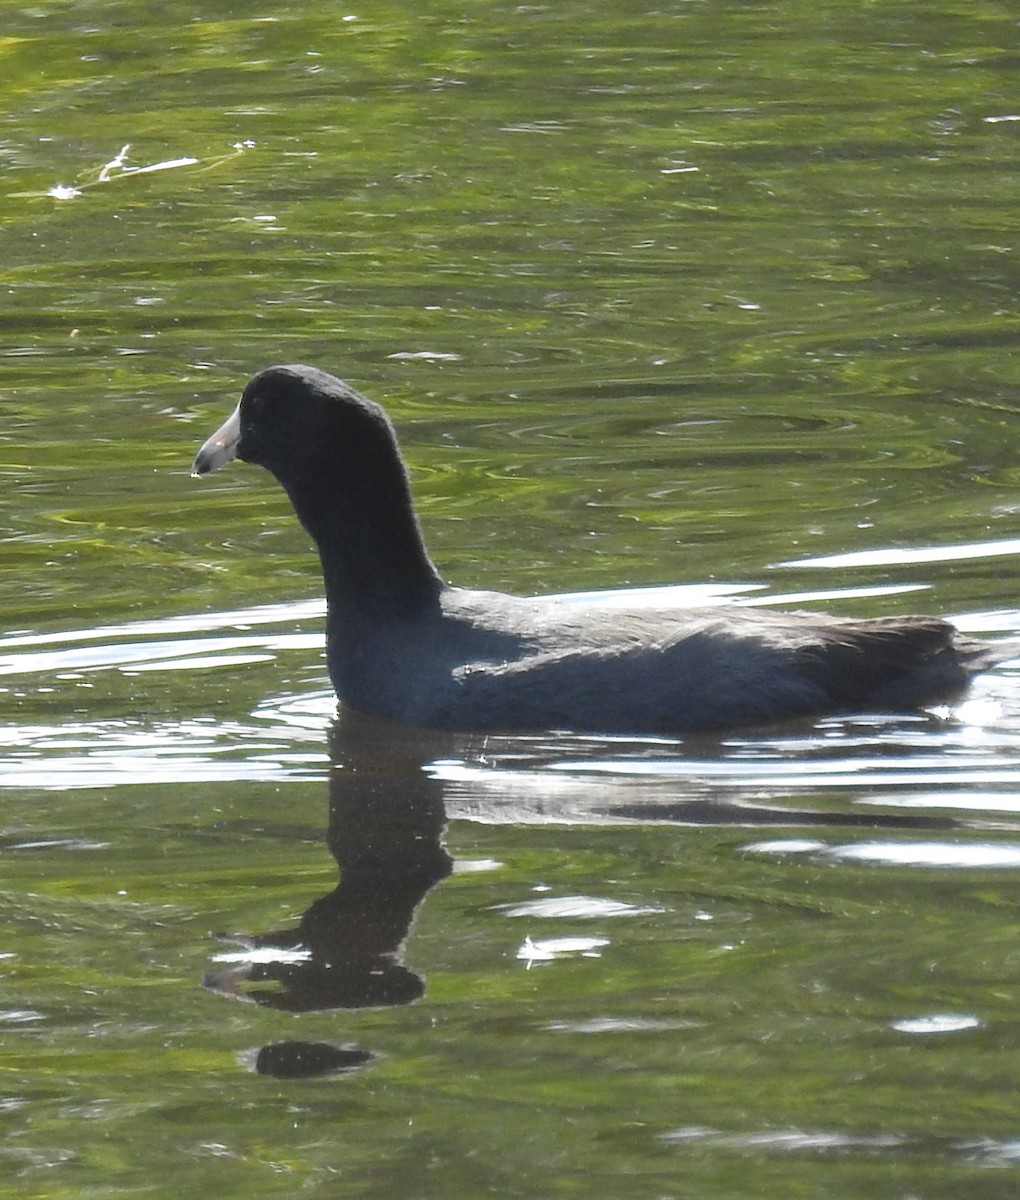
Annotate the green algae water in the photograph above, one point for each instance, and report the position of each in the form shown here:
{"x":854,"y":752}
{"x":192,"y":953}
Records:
{"x":711,"y":294}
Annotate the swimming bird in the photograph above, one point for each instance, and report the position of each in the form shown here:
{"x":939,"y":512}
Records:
{"x":403,"y":644}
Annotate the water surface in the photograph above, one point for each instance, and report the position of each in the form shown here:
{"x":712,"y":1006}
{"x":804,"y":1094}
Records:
{"x":711,"y":294}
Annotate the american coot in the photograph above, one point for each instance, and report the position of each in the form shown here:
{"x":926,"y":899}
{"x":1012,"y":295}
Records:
{"x":403,"y":644}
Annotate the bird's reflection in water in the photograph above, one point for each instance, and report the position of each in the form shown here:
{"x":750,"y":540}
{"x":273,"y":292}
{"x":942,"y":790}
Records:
{"x":386,"y":820}
{"x":388,"y":791}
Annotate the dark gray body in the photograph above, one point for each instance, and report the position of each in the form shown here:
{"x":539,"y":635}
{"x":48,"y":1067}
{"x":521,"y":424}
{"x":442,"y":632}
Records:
{"x":403,"y":644}
{"x":485,"y":660}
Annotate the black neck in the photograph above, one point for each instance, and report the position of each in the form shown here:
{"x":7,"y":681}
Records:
{"x":374,"y":561}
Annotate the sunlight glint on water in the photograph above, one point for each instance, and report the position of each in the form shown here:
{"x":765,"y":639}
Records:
{"x":718,"y":296}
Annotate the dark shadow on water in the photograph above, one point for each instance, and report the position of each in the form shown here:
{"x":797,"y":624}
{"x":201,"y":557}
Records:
{"x":389,"y":791}
{"x":386,"y":820}
{"x":306,"y":1060}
